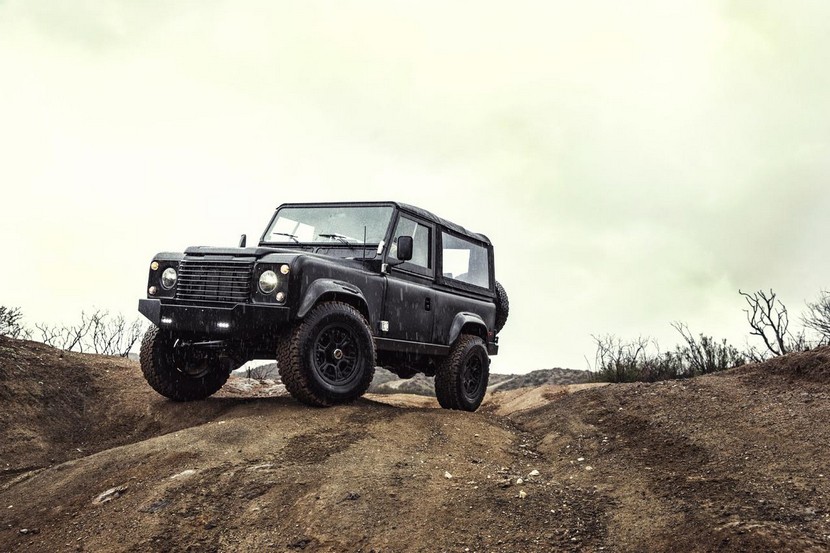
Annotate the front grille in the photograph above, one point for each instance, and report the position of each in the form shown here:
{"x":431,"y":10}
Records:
{"x":205,"y":279}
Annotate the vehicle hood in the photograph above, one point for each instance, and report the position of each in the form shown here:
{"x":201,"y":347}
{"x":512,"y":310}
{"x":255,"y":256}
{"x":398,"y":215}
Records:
{"x":238,"y":252}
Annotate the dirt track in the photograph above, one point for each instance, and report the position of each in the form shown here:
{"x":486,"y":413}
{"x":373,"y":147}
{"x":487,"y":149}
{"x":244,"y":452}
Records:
{"x":735,"y":462}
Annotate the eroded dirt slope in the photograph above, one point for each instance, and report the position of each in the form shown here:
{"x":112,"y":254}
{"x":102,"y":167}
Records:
{"x":736,"y":461}
{"x":56,"y":406}
{"x":733,"y":462}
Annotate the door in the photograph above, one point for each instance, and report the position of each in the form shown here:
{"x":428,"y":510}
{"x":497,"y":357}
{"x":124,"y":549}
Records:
{"x":410,"y":300}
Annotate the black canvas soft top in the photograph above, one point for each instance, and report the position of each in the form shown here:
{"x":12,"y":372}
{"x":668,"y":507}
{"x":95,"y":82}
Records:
{"x":406,"y":208}
{"x":429,"y":216}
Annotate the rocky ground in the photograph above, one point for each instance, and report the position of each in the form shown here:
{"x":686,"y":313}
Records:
{"x":92,"y":460}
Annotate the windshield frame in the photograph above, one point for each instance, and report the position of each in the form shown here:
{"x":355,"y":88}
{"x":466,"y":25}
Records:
{"x":334,"y":243}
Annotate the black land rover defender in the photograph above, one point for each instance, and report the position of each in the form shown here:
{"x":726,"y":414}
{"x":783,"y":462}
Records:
{"x":332,"y":290}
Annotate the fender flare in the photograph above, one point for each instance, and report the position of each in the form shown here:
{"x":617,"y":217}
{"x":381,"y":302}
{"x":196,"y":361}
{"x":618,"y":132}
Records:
{"x":462,"y":319}
{"x":323,"y":286}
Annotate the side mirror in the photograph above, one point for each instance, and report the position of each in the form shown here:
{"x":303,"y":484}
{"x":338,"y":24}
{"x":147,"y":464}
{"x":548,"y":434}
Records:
{"x":242,"y":240}
{"x":404,"y":248}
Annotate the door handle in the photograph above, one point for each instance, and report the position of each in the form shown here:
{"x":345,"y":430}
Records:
{"x":428,"y":304}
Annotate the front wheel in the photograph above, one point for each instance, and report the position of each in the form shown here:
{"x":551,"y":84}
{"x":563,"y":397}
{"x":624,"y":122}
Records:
{"x":461,"y":380}
{"x":329,"y":357}
{"x":179,"y":371}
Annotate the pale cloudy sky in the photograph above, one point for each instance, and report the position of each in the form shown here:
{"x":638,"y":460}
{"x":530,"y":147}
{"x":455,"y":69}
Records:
{"x":633,"y":162}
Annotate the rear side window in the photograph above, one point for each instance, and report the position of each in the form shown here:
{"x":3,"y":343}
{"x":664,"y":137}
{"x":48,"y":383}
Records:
{"x":465,"y":261}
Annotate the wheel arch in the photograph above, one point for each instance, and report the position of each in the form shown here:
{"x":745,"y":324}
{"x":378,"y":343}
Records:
{"x":333,"y":290}
{"x":467,"y":323}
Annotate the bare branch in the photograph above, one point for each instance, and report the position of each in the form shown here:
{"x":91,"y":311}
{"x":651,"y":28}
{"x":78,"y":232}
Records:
{"x":818,"y":317}
{"x":11,"y":323}
{"x":766,"y":320}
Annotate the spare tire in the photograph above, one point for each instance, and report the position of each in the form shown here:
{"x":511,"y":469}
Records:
{"x":502,"y":307}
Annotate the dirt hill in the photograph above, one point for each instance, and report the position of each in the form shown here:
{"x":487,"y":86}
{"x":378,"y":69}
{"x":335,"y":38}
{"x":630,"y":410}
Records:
{"x":93,"y":460}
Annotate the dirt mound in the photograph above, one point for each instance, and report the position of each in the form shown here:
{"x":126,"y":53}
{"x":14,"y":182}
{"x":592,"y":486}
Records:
{"x":729,"y":462}
{"x":809,"y":365}
{"x":512,"y":401}
{"x":733,"y":461}
{"x":59,"y":406}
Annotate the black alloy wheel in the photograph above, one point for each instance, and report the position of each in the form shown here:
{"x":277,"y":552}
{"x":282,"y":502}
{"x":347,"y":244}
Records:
{"x":328,"y":357}
{"x":461,"y":379}
{"x":335,"y":356}
{"x":472,"y":378}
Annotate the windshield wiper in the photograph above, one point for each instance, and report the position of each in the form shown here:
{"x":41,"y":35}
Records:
{"x":336,"y":236}
{"x":291,"y":236}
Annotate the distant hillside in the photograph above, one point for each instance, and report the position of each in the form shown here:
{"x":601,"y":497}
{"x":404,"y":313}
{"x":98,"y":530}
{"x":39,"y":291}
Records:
{"x":540,"y":378}
{"x":386,"y":382}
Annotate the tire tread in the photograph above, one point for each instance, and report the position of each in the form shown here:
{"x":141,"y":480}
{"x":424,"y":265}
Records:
{"x":290,"y":358}
{"x":167,"y":381}
{"x":449,"y":373}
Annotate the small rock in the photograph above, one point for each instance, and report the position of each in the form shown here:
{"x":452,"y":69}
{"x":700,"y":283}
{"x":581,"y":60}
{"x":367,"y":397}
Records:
{"x":589,"y":467}
{"x":352,"y":496}
{"x":301,"y":543}
{"x":24,"y":531}
{"x":581,"y":459}
{"x":109,"y":495}
{"x":447,"y":475}
{"x":522,"y":494}
{"x":519,"y":481}
{"x":184,"y":473}
{"x":534,"y":472}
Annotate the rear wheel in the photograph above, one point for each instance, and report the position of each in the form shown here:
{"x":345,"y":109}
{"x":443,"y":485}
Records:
{"x":180,"y":371}
{"x":461,"y":380}
{"x":329,"y":357}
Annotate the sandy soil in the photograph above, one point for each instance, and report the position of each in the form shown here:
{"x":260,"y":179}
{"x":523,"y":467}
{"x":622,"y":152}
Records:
{"x":93,"y":460}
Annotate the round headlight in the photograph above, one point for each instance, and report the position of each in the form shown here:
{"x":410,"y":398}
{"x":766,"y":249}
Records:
{"x":268,"y":282}
{"x":168,"y":278}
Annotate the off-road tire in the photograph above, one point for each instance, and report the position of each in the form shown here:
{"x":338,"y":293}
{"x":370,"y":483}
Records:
{"x":165,"y":375}
{"x":452,"y":377}
{"x":502,"y":307}
{"x":299,"y":356}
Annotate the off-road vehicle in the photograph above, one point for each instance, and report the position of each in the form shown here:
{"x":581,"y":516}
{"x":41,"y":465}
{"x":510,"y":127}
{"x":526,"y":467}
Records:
{"x":331,"y":291}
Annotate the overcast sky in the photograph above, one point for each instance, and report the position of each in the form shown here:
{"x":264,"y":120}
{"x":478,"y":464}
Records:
{"x":634,"y":163}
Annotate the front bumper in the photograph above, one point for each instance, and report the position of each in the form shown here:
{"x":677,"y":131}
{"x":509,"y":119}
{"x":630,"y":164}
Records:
{"x":226,"y":321}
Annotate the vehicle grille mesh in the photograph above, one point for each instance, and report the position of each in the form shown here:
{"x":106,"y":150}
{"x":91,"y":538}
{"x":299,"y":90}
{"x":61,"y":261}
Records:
{"x":225,"y":281}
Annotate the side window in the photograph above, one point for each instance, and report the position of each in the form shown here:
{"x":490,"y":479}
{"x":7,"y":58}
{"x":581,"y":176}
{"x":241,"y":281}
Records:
{"x":421,"y":251}
{"x":465,"y":261}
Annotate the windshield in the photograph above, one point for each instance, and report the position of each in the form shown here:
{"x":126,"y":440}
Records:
{"x":330,"y":225}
